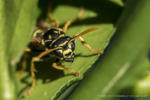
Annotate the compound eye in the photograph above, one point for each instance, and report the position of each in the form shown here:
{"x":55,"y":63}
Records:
{"x":72,"y":45}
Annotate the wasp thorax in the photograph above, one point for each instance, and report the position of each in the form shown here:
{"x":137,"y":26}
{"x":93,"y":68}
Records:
{"x":67,"y":51}
{"x":51,"y":35}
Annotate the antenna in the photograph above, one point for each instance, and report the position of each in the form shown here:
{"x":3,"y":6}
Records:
{"x":82,"y":33}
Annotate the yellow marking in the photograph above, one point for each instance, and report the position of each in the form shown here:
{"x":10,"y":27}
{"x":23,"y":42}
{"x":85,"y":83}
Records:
{"x":63,"y":43}
{"x":47,"y":40}
{"x":60,"y":51}
{"x":70,"y":55}
{"x":56,"y":39}
{"x":49,"y":37}
{"x":69,"y":45}
{"x":38,"y":31}
{"x":59,"y":29}
{"x":27,"y":50}
{"x":66,"y":52}
{"x":43,"y":43}
{"x":57,"y":32}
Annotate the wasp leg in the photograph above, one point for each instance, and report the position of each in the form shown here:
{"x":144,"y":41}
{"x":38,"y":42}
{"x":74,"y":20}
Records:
{"x":32,"y":68}
{"x":69,"y":22}
{"x":54,"y":64}
{"x":24,"y":62}
{"x":89,"y":47}
{"x":53,"y":20}
{"x":63,"y":68}
{"x":50,"y":17}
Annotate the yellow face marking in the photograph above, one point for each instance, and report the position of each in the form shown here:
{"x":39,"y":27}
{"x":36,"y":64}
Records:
{"x":66,"y":52}
{"x":60,"y":51}
{"x":69,"y":45}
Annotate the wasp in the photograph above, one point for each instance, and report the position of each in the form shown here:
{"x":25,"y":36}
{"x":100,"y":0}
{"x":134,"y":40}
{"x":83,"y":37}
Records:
{"x":54,"y":41}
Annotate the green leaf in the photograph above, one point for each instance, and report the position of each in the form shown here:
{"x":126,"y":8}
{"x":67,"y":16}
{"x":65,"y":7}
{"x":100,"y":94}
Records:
{"x":124,"y":86}
{"x":51,"y":82}
{"x":111,"y":73}
{"x":142,"y":87}
{"x":17,"y":19}
{"x":144,"y":98}
{"x":22,"y":26}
